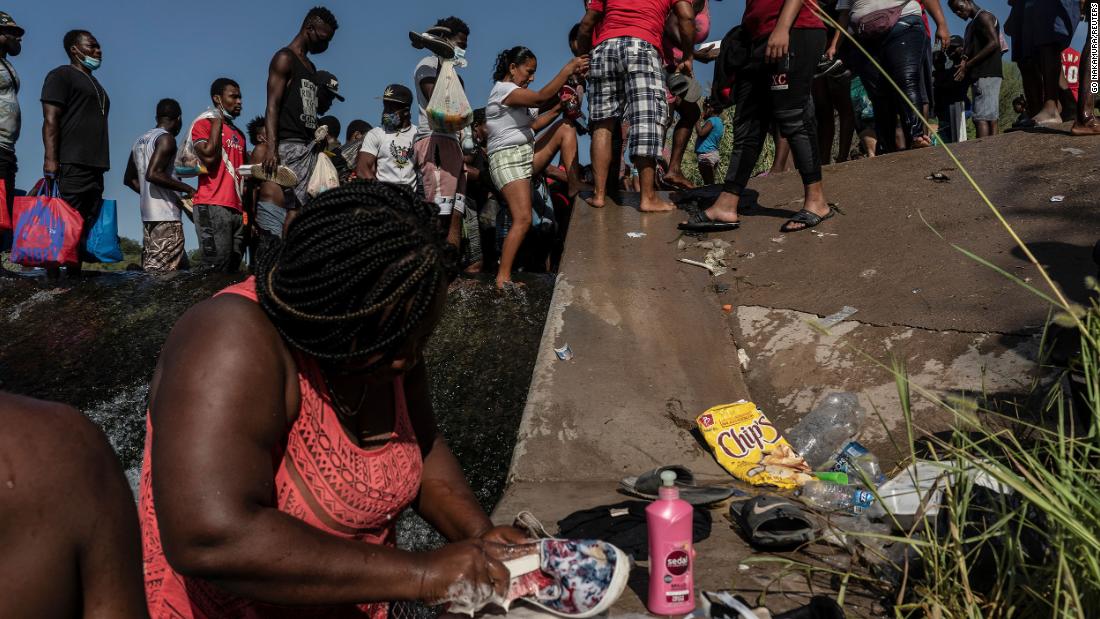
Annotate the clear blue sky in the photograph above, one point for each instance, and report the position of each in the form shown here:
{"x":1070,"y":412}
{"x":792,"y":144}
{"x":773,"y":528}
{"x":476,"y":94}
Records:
{"x":155,"y":48}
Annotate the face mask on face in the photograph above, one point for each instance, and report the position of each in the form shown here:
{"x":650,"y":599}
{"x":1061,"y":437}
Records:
{"x":391,"y":121}
{"x":460,"y":57}
{"x":91,"y":63}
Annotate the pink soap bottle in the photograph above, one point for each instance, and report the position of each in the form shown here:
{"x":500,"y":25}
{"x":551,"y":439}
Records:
{"x":671,"y":583}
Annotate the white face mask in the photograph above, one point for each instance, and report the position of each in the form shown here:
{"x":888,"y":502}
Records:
{"x":460,"y":57}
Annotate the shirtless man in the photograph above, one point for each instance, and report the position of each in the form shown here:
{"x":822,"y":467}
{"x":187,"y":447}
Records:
{"x":68,"y":524}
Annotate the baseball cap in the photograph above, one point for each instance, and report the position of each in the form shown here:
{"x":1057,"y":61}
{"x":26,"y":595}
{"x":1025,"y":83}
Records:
{"x":329,"y":82}
{"x":6,"y":21}
{"x":398,"y":93}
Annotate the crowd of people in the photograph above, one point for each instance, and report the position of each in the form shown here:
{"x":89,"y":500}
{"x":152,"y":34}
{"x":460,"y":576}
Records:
{"x":289,"y":419}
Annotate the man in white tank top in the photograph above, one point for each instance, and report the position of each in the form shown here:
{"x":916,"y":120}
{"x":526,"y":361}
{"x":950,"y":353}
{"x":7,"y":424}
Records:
{"x":151,"y":174}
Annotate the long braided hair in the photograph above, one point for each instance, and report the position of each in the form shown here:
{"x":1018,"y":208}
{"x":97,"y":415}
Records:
{"x":356,"y":272}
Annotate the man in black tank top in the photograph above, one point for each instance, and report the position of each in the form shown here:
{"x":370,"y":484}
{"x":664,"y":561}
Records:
{"x":293,"y":101}
{"x":981,"y":64}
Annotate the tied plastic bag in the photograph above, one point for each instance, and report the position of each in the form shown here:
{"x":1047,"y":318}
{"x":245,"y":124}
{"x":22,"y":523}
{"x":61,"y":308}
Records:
{"x":323,"y":178}
{"x":449,"y":110}
{"x":103,"y":243}
{"x":747,"y":445}
{"x":47,"y":229}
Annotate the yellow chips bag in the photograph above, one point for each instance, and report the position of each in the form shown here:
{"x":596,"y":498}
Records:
{"x":747,"y":445}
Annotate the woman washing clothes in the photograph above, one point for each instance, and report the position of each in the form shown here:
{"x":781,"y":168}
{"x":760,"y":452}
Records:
{"x":515,"y":156}
{"x":290,"y":424}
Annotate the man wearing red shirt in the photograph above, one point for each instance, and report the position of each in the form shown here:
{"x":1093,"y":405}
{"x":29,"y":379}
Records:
{"x":219,"y":211}
{"x":627,"y":80}
{"x":785,"y":39}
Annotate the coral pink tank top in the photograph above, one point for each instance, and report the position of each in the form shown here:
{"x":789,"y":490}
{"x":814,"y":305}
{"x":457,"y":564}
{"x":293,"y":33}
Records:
{"x":321,"y":477}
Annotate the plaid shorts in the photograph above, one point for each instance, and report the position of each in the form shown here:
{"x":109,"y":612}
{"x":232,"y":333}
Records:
{"x":626,"y":80}
{"x":511,"y":164}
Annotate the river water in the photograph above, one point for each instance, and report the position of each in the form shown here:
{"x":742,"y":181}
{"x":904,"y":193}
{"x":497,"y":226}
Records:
{"x":94,"y":345}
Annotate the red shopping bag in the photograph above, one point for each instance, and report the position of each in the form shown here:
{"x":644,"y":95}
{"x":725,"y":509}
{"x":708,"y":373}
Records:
{"x":47,"y":229}
{"x":5,"y":220}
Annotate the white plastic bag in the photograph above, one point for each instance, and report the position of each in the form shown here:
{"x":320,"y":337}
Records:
{"x":449,"y":110}
{"x":188,"y":163}
{"x":323,"y":178}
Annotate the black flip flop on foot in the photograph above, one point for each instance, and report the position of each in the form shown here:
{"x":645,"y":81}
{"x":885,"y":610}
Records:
{"x":808,"y":219}
{"x":771,"y":522}
{"x":699,"y":222}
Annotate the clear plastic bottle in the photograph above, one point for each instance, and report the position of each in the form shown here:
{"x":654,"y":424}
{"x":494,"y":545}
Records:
{"x":853,"y":459}
{"x":847,"y":499}
{"x":827,"y":428}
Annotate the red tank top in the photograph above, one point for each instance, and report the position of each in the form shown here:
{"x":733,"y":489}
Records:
{"x":321,"y":478}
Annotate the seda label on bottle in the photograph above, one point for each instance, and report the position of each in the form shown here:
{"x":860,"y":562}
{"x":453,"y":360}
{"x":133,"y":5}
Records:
{"x":678,"y":586}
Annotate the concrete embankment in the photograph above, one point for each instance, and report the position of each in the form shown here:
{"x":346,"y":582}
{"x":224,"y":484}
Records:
{"x":653,"y":347}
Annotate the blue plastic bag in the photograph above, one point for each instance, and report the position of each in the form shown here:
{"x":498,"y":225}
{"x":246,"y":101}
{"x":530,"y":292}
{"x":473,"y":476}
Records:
{"x":103,"y":242}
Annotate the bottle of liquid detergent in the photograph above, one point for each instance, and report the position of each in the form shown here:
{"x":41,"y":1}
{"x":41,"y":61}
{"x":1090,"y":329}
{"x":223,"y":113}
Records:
{"x":671,"y":557}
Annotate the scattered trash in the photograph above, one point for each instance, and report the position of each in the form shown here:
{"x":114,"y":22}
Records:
{"x":742,"y":567}
{"x":1057,"y":198}
{"x":1073,"y":151}
{"x":917,"y":491}
{"x":833,"y":477}
{"x":857,"y":462}
{"x":743,"y":358}
{"x":750,"y":447}
{"x":748,"y":256}
{"x":714,"y":270}
{"x":720,"y":288}
{"x":681,"y":245}
{"x":825,"y":430}
{"x":727,"y":308}
{"x":938,"y":177}
{"x":779,"y":239}
{"x":868,"y":273}
{"x":713,"y":244}
{"x":833,"y":320}
{"x":636,"y":235}
{"x":771,"y":522}
{"x":846,"y":499}
{"x":916,"y":291}
{"x":564,"y":353}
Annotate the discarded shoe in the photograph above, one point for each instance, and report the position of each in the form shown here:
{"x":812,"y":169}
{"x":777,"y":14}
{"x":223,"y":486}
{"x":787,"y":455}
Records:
{"x":646,"y":485}
{"x":283,"y":176}
{"x":570,"y":578}
{"x":771,"y":522}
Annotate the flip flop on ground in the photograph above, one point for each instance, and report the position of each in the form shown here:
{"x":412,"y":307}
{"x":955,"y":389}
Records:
{"x":700,"y":222}
{"x":647,"y":484}
{"x":808,"y":219}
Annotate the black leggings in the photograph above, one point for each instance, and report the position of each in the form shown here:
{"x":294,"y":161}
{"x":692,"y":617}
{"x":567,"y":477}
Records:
{"x":901,"y":54}
{"x":763,"y":96}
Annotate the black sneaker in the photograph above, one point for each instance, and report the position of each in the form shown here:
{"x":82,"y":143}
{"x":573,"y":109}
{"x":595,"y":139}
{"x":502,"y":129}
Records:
{"x":828,"y":67}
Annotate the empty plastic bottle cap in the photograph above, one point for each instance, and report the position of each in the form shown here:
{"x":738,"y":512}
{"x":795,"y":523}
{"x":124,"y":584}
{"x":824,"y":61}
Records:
{"x":668,"y":478}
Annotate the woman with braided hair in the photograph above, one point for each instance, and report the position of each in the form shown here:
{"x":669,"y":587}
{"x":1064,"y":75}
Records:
{"x":290,"y":424}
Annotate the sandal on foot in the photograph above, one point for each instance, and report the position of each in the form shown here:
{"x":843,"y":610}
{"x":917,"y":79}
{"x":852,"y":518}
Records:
{"x":808,"y":219}
{"x":647,"y":484}
{"x":771,"y":522}
{"x":699,"y":222}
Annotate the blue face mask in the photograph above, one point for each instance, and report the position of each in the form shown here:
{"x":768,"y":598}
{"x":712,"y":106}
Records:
{"x":391,"y":121}
{"x":91,"y":63}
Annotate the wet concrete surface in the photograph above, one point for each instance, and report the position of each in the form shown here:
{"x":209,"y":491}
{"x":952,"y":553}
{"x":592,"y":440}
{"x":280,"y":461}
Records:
{"x":654,"y":347}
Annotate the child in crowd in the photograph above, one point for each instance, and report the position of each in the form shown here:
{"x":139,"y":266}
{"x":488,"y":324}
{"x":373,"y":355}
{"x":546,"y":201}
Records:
{"x":1019,"y":105}
{"x":387,"y":151}
{"x":709,"y":133}
{"x":512,"y":116}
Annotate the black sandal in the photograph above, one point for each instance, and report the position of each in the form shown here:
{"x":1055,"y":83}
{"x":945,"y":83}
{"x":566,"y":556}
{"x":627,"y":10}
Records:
{"x":699,"y":222}
{"x":771,"y":523}
{"x":807,"y":219}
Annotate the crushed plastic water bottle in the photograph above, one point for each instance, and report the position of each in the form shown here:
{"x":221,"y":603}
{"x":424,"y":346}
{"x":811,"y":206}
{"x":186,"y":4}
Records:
{"x":827,"y":428}
{"x":853,"y":459}
{"x":846,"y":499}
